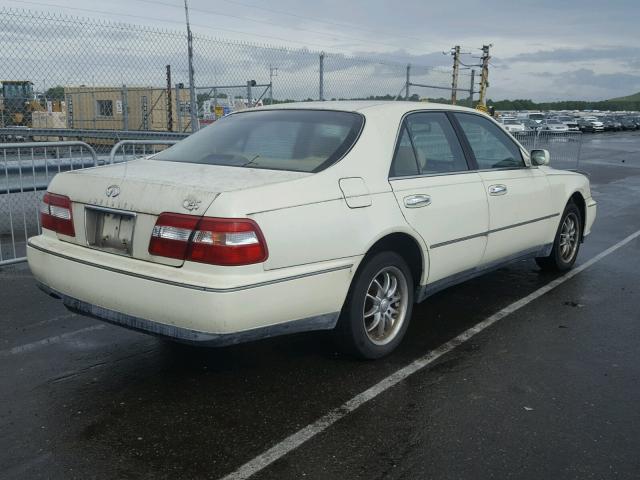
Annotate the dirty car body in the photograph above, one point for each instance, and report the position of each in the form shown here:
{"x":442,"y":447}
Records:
{"x":296,"y":218}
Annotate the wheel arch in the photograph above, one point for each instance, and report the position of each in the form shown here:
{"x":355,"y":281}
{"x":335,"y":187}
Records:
{"x":579,"y":201}
{"x":407,"y":246}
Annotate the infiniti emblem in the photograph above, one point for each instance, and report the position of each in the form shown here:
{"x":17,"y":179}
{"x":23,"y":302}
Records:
{"x":112,"y":191}
{"x":191,"y":204}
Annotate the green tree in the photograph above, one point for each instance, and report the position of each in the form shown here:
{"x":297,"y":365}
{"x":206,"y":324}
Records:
{"x":55,"y":93}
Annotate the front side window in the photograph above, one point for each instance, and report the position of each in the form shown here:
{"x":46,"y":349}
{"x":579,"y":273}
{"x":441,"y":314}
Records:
{"x":105,"y":108}
{"x":294,"y":140}
{"x":491,"y":147}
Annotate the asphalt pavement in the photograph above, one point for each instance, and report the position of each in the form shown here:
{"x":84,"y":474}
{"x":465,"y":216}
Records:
{"x":549,"y":391}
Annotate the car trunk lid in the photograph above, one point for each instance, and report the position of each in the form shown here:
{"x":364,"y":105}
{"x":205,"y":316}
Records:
{"x":115,"y":207}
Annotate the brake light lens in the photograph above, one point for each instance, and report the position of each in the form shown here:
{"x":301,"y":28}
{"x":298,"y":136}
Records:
{"x":217,"y":241}
{"x":55,"y":214}
{"x":171,"y":234}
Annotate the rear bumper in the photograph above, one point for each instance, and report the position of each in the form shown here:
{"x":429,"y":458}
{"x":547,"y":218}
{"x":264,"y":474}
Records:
{"x":305,"y":301}
{"x":185,"y":335}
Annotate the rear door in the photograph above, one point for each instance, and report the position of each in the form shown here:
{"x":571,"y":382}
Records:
{"x":521,"y":211}
{"x":439,"y":196}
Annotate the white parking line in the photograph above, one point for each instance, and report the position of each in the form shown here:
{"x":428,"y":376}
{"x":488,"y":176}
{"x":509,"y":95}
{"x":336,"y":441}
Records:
{"x":301,"y":436}
{"x":28,"y":347}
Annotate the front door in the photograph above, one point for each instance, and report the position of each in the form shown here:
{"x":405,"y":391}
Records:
{"x":520,"y":209}
{"x":439,"y":196}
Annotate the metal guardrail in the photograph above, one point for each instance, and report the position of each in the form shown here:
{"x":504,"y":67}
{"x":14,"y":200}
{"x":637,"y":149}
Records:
{"x":134,"y":143}
{"x":25,"y":171}
{"x":79,"y":133}
{"x":564,"y":147}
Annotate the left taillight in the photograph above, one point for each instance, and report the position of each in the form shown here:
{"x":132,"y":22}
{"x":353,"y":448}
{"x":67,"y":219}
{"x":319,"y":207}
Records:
{"x":217,"y":241}
{"x":55,"y":214}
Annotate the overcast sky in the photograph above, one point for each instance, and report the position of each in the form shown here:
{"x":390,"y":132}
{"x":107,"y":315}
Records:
{"x":543,"y":49}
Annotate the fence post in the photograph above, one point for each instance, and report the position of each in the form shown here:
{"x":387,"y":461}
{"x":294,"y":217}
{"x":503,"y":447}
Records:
{"x":69,"y":100}
{"x":125,"y":108}
{"x":215,"y":103}
{"x":249,"y":94}
{"x":95,"y":106}
{"x":407,"y":82}
{"x":321,"y":86}
{"x":178,"y":112}
{"x":145,"y":111}
{"x":169,"y":102}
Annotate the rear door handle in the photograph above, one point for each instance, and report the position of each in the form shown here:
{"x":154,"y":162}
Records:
{"x":417,"y":201}
{"x":497,"y":189}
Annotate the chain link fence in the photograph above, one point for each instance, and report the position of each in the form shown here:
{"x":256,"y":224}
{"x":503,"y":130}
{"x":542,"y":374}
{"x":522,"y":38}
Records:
{"x":64,"y":72}
{"x":101,"y":91}
{"x":564,"y":147}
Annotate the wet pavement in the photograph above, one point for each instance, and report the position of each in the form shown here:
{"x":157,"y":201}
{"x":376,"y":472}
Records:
{"x":550,"y":391}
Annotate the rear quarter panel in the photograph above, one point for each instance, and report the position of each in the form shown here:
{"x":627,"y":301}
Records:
{"x":308,"y":221}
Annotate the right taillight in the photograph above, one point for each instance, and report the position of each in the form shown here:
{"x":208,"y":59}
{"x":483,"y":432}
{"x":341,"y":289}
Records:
{"x":55,"y":214}
{"x":217,"y":241}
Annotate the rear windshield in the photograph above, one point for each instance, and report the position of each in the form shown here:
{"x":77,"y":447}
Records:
{"x":295,"y":140}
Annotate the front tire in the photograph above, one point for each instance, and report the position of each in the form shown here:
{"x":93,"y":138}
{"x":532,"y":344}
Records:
{"x":378,"y":308}
{"x":566,"y":244}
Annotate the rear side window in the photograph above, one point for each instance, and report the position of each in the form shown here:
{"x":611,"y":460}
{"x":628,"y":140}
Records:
{"x":491,"y":147}
{"x":435,"y":142}
{"x":295,"y":140}
{"x":404,"y":162}
{"x":427,"y":146}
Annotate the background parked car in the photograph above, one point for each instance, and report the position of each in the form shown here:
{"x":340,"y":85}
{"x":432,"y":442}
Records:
{"x":612,"y":124}
{"x":570,"y":122}
{"x":554,"y":126}
{"x":531,"y":125}
{"x":628,"y":123}
{"x":512,"y":125}
{"x":586,"y":126}
{"x":598,"y":126}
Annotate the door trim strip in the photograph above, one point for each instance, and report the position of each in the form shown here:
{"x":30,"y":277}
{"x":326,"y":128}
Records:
{"x":495,"y":230}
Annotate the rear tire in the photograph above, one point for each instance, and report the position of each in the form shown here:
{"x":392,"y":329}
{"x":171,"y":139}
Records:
{"x":378,"y":308}
{"x":566,"y":244}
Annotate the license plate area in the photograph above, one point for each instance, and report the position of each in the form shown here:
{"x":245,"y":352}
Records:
{"x":110,"y":230}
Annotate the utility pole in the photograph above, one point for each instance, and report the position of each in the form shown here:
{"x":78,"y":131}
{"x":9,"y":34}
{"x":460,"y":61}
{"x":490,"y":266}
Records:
{"x":273,"y":72}
{"x":407,"y":82}
{"x":455,"y":52}
{"x":472,"y":86}
{"x":484,"y":76}
{"x":192,"y":87}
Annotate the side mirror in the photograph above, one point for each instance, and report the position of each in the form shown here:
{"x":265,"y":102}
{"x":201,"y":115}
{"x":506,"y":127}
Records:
{"x":540,"y":157}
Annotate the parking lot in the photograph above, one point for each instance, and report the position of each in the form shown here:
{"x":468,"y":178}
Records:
{"x":519,"y":374}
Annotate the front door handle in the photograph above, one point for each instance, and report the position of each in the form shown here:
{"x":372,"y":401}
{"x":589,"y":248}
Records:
{"x":417,"y":201}
{"x":497,"y":190}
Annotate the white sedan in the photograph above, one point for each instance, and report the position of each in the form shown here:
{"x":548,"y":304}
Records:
{"x":513,"y":126}
{"x":555,"y":126}
{"x":315,"y":216}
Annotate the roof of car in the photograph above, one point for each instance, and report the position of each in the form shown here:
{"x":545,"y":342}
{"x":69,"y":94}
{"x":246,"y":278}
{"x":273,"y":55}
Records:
{"x":362,"y":105}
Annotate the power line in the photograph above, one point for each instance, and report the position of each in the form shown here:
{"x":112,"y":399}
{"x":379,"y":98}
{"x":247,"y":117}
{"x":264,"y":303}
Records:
{"x":266,"y":22}
{"x":316,"y":20}
{"x":181,"y":23}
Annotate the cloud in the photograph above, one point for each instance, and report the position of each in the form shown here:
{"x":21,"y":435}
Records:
{"x":621,"y":82}
{"x":571,"y":55}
